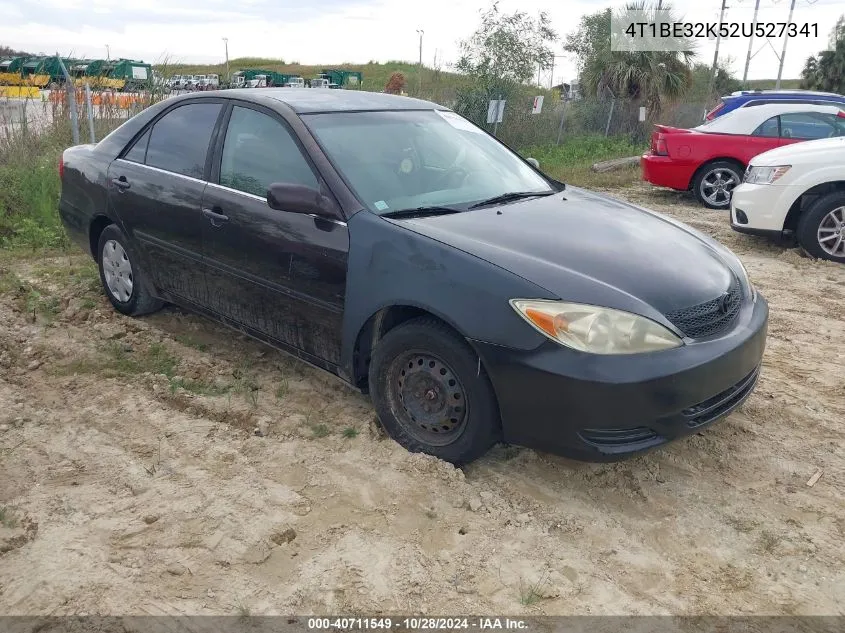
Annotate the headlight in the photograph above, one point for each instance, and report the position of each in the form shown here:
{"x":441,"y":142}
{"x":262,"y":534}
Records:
{"x":751,"y":289}
{"x":593,"y":329}
{"x":765,"y":175}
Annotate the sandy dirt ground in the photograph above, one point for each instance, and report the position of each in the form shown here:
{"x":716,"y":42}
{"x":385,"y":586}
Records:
{"x":164,"y":465}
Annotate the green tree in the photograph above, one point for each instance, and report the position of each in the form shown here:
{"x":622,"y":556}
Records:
{"x":826,"y":71}
{"x":650,"y":78}
{"x":507,"y":48}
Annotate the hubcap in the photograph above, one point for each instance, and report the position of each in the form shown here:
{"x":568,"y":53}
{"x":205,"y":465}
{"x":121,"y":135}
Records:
{"x":717,"y":185}
{"x":117,"y":270}
{"x":831,"y":233}
{"x":427,"y":398}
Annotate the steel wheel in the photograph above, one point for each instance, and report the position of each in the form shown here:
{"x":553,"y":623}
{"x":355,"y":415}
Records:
{"x":831,"y":232}
{"x":427,"y":398}
{"x":716,"y":186}
{"x":117,"y":270}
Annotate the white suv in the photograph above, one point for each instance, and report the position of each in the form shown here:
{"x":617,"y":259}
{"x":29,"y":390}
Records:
{"x":797,"y":191}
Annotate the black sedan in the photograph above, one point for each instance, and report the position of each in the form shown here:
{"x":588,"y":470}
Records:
{"x":394,"y":244}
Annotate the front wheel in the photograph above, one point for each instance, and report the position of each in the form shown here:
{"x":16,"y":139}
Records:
{"x":821,"y":230}
{"x":121,"y":275}
{"x":715,"y":182}
{"x":431,"y":393}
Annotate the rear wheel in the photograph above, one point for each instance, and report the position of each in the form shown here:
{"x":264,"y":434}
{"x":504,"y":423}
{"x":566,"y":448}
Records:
{"x":121,"y":275}
{"x":715,"y":182}
{"x":431,"y":393}
{"x":821,"y":229}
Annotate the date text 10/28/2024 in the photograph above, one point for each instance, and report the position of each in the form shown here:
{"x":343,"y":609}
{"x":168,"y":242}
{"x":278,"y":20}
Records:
{"x":416,"y":624}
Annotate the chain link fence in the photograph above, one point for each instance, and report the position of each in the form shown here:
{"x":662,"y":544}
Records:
{"x":99,"y":111}
{"x":559,"y":119}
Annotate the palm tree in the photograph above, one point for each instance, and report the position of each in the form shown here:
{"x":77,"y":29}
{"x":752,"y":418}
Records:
{"x":650,"y":78}
{"x":810,"y":73}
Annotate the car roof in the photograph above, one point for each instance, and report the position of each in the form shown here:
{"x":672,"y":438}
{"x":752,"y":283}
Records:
{"x":781,"y":93}
{"x":746,"y":120}
{"x":313,"y":100}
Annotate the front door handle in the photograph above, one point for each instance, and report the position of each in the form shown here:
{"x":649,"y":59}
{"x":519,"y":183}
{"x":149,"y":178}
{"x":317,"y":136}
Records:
{"x":121,"y":183}
{"x":217,"y":219}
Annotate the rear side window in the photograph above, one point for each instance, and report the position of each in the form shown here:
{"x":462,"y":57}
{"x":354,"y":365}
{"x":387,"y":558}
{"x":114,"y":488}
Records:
{"x":179,"y":140}
{"x":259,"y":151}
{"x":768,"y":128}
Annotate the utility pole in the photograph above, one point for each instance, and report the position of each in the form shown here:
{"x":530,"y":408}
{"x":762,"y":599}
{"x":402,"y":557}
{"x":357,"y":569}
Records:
{"x":108,"y":53}
{"x":419,"y":73}
{"x":750,"y":42}
{"x":716,"y":53}
{"x":785,"y":42}
{"x":226,"y":44}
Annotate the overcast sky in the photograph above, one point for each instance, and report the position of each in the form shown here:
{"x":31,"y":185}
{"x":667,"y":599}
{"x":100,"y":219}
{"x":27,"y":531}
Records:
{"x":334,"y":31}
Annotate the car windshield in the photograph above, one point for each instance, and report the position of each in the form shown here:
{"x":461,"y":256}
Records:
{"x":410,"y":159}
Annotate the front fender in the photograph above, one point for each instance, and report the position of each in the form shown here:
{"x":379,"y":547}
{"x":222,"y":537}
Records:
{"x":392,"y":266}
{"x":815,"y":177}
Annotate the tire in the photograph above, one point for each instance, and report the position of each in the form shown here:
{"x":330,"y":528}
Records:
{"x":818,"y":233}
{"x":421,"y":364}
{"x":123,"y":280}
{"x":715,"y":173}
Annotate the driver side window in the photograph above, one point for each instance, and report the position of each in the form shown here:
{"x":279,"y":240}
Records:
{"x":259,"y":151}
{"x":808,"y":125}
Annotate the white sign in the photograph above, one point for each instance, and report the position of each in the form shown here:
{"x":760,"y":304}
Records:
{"x":642,"y":113}
{"x":538,"y":105}
{"x":139,"y":72}
{"x":495,"y":110}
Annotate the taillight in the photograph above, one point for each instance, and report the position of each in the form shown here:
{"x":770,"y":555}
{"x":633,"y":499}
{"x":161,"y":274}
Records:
{"x":61,"y":167}
{"x":841,"y":114}
{"x":660,"y":146}
{"x":712,"y":114}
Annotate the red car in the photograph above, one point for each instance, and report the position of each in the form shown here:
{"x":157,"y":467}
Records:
{"x":710,"y":159}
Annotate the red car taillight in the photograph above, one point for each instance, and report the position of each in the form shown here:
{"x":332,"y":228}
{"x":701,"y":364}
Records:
{"x":660,"y":146}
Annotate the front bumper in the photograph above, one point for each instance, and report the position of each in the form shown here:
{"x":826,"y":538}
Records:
{"x":761,"y":209}
{"x":605,"y":408}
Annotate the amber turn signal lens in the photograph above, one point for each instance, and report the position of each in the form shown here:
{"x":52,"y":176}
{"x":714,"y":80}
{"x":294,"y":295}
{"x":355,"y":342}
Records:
{"x":551,"y":325}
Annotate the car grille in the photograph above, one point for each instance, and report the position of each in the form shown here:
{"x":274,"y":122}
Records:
{"x":721,"y":403}
{"x":621,"y":440}
{"x":708,"y":318}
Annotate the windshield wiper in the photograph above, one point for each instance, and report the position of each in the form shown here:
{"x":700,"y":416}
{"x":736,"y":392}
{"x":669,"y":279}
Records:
{"x":419,"y":212}
{"x":510,"y":197}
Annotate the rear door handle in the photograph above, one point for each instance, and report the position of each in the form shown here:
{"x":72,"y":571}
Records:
{"x":217,"y":219}
{"x":121,"y":183}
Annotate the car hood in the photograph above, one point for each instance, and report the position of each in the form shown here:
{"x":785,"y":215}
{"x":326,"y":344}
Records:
{"x":821,"y":150}
{"x":590,"y":248}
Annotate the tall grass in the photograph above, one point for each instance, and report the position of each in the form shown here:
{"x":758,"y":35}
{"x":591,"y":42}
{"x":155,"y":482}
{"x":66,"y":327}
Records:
{"x":29,"y":179}
{"x":571,"y":161}
{"x":33,"y":134}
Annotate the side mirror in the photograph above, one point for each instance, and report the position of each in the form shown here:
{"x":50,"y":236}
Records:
{"x":284,"y":196}
{"x":533,"y":162}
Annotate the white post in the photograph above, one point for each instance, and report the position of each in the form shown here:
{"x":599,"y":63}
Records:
{"x":90,"y":112}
